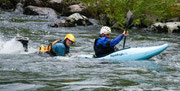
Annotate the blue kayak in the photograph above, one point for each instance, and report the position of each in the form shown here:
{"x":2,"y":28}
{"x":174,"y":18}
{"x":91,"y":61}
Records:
{"x":136,"y":53}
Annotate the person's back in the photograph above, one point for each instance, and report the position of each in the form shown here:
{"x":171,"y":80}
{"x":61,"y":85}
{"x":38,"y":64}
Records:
{"x":102,"y":47}
{"x":59,"y":49}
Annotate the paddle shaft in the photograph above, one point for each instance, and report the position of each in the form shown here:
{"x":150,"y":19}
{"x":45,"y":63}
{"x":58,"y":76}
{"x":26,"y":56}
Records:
{"x":125,"y":39}
{"x":129,"y":22}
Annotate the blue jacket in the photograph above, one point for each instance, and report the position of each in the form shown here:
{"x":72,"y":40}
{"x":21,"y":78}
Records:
{"x":113,"y":42}
{"x":104,"y":46}
{"x":60,"y":49}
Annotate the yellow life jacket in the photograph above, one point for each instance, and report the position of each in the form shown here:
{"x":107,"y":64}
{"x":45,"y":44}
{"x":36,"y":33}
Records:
{"x":41,"y":49}
{"x":48,"y":48}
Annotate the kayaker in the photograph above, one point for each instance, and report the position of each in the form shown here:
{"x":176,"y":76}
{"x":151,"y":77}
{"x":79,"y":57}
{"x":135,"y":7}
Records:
{"x":104,"y":45}
{"x":59,"y":47}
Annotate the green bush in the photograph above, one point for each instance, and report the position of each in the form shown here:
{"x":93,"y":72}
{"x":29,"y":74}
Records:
{"x":145,"y":11}
{"x":175,"y":11}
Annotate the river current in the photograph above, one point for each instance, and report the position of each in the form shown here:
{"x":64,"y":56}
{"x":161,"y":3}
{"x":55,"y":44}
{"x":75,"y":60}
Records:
{"x":28,"y":71}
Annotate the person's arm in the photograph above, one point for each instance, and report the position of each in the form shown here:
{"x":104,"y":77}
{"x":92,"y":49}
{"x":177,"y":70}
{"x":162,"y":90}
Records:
{"x":59,"y":49}
{"x":116,"y":40}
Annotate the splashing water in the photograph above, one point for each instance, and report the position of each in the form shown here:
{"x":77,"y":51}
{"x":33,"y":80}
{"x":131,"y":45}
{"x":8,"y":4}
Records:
{"x":11,"y":47}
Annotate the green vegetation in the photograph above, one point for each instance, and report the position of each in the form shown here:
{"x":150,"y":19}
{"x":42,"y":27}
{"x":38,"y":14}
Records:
{"x":175,"y":11}
{"x":145,"y":11}
{"x":6,"y":4}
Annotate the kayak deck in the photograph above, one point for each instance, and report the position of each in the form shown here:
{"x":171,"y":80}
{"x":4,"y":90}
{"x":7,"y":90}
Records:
{"x":136,"y":53}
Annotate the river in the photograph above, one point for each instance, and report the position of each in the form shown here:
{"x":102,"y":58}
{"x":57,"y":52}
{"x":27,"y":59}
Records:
{"x":27,"y":71}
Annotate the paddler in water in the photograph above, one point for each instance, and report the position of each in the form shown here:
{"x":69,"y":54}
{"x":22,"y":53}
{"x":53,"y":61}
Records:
{"x":59,"y":47}
{"x":103,"y":45}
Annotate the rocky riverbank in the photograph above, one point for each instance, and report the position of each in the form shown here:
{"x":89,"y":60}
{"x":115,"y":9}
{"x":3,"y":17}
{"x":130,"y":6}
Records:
{"x":75,"y":11}
{"x":170,"y":27}
{"x":77,"y":14}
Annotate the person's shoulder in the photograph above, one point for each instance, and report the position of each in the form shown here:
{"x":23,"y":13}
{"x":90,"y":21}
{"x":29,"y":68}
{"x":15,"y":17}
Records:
{"x":102,"y":38}
{"x":59,"y":44}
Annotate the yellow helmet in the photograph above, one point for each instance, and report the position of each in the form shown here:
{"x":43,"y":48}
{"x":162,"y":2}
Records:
{"x":70,"y":37}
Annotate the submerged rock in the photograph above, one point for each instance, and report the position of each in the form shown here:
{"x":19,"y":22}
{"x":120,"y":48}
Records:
{"x":24,"y":41}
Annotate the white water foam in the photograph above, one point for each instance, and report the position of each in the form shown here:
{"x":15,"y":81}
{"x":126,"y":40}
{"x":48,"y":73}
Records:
{"x":11,"y":47}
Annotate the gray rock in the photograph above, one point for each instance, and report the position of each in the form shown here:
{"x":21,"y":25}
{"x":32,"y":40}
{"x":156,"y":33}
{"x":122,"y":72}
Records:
{"x":176,"y":19}
{"x":33,"y":10}
{"x":58,"y":5}
{"x":73,"y":20}
{"x":76,"y":8}
{"x":170,"y":27}
{"x":19,"y":8}
{"x":24,"y":41}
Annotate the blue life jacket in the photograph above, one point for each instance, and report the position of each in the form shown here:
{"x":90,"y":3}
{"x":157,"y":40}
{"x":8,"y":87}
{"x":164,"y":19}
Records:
{"x":101,"y":50}
{"x":104,"y":46}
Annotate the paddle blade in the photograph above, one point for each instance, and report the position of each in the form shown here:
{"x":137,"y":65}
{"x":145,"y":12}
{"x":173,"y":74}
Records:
{"x":130,"y":18}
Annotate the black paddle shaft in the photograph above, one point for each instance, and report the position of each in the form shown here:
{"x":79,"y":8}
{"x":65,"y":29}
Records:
{"x":129,"y":17}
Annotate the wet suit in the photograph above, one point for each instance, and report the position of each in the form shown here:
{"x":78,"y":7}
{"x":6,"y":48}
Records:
{"x":104,"y":46}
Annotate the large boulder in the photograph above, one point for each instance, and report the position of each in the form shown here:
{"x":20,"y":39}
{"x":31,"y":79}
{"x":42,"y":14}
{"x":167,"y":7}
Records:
{"x":39,"y":3}
{"x":76,"y":8}
{"x":33,"y":10}
{"x":171,"y":27}
{"x":104,"y":19}
{"x":58,"y":5}
{"x":73,"y":20}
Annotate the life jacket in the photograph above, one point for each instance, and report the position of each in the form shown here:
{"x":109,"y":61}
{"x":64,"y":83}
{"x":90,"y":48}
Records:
{"x":101,"y":51}
{"x":51,"y":52}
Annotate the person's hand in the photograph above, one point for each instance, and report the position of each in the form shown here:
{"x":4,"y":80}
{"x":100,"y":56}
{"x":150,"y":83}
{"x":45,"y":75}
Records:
{"x":75,"y":55}
{"x":125,"y":33}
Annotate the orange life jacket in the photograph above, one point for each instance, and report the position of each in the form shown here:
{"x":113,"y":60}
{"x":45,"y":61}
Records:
{"x":48,"y":48}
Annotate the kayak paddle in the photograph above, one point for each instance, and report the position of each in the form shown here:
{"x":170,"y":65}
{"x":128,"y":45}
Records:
{"x":129,"y":17}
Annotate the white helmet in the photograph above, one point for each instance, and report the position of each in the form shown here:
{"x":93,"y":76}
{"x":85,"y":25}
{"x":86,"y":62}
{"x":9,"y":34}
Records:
{"x":105,"y":30}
